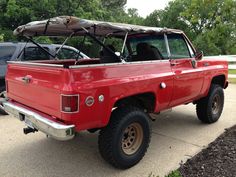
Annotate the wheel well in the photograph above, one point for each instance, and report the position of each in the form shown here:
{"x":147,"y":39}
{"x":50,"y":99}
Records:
{"x":2,"y":85}
{"x":220,"y":80}
{"x":144,"y":101}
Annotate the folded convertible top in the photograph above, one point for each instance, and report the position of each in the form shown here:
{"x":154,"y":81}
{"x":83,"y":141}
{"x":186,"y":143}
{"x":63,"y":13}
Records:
{"x":66,"y":25}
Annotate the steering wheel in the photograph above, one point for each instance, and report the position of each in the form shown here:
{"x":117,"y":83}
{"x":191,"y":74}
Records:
{"x":129,"y":56}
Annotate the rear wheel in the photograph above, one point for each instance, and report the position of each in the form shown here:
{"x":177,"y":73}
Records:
{"x":2,"y":98}
{"x":209,"y":109}
{"x":125,"y":140}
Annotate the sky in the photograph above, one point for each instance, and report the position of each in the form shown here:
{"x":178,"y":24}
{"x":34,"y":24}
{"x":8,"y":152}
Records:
{"x":145,"y":7}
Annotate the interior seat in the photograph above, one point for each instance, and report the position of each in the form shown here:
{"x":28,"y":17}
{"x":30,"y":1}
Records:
{"x":157,"y":53}
{"x":146,"y":52}
{"x":108,"y":57}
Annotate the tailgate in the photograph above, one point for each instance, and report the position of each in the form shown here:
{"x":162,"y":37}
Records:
{"x":37,"y":87}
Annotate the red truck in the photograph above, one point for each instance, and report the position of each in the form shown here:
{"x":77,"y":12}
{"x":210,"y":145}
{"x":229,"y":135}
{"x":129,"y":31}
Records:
{"x":155,"y":70}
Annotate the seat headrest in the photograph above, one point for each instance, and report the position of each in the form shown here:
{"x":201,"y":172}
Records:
{"x":141,"y":47}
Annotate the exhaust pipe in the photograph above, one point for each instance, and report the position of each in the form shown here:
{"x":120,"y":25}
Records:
{"x":29,"y":130}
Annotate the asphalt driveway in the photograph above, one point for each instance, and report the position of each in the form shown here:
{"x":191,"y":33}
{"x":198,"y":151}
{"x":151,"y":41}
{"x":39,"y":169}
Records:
{"x":177,"y":136}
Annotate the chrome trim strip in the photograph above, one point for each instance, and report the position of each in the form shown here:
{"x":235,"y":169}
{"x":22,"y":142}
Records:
{"x":167,"y":45}
{"x":89,"y":65}
{"x":112,"y":64}
{"x":54,"y":129}
{"x":36,"y":64}
{"x":125,"y":39}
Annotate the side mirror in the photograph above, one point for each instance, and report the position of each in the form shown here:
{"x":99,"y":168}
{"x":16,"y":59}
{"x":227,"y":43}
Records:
{"x":199,"y":55}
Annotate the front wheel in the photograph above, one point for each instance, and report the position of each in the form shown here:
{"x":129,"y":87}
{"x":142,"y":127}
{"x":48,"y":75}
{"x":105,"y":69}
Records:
{"x":209,"y":109}
{"x":125,"y":140}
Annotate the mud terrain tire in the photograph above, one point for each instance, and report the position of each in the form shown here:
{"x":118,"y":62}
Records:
{"x":124,"y":141}
{"x":210,"y":108}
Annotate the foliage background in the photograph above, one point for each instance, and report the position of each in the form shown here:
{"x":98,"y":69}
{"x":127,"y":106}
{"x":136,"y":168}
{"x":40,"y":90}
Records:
{"x":210,"y":24}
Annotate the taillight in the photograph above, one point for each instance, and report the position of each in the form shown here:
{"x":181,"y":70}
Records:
{"x":70,"y":103}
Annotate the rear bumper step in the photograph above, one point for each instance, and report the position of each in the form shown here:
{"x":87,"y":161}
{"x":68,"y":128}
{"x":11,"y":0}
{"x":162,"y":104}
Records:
{"x":54,"y":129}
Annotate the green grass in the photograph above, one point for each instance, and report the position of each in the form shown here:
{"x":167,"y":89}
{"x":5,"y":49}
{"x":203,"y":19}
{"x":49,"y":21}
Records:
{"x":175,"y":173}
{"x":232,"y":80}
{"x":232,"y":71}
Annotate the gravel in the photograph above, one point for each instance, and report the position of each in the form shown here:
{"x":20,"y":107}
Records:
{"x":217,"y":160}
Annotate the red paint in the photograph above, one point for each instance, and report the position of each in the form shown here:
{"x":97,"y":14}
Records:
{"x":43,"y":93}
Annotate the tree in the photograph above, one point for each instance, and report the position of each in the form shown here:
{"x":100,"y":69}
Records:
{"x":1,"y":37}
{"x":210,"y":24}
{"x":213,"y":23}
{"x":133,"y":17}
{"x":154,"y":18}
{"x":170,"y":17}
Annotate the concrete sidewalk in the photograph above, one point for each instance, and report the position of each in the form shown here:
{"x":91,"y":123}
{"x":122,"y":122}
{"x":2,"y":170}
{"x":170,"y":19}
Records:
{"x":232,"y":75}
{"x":233,"y":66}
{"x":177,"y":136}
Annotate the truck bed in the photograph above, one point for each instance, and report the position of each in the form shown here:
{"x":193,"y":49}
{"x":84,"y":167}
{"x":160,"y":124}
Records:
{"x":49,"y":80}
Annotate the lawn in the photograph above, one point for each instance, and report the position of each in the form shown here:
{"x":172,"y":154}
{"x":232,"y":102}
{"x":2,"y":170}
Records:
{"x":175,"y":173}
{"x":232,"y":71}
{"x":232,"y":80}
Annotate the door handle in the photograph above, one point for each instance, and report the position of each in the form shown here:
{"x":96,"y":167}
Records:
{"x":174,"y":64}
{"x":26,"y":79}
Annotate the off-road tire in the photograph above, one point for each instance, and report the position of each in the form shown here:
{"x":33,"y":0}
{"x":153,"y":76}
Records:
{"x":2,"y":112}
{"x":111,"y":139}
{"x":210,"y":108}
{"x":2,"y":97}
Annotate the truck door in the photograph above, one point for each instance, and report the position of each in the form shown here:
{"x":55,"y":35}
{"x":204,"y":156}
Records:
{"x":188,"y":79}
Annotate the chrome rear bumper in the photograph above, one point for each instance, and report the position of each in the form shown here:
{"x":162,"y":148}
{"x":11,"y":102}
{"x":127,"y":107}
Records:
{"x":56,"y":130}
